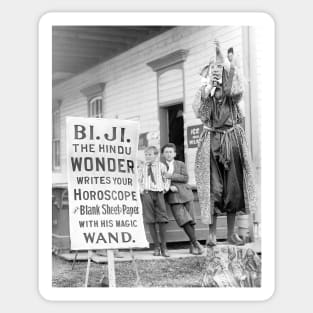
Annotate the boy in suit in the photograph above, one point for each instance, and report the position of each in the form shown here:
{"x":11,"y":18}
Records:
{"x":153,"y":185}
{"x":180,"y":196}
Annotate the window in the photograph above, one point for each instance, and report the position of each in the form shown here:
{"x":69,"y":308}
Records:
{"x":94,"y":95}
{"x":95,"y":107}
{"x":56,"y":137}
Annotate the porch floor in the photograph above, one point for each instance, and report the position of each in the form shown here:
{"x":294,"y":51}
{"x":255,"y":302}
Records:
{"x":144,"y":254}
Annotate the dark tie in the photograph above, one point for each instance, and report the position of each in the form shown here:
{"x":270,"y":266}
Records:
{"x":150,"y":173}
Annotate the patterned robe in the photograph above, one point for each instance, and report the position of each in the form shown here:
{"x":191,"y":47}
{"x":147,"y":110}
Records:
{"x":222,"y":117}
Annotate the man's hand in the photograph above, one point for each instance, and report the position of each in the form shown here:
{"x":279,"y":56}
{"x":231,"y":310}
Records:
{"x":167,"y":175}
{"x":173,"y":188}
{"x":203,"y":81}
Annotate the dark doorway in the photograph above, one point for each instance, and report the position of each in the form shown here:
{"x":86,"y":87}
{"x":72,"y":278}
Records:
{"x":176,"y":129}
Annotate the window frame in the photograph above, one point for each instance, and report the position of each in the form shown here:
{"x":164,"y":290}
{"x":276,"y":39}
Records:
{"x":91,"y":102}
{"x":93,"y":93}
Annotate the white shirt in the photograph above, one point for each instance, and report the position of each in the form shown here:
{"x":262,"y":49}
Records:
{"x":161,"y":183}
{"x":170,"y":167}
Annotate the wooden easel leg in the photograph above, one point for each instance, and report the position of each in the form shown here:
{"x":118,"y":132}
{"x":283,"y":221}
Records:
{"x":136,"y":267}
{"x":88,"y":268}
{"x":74,"y":261}
{"x":111,"y":268}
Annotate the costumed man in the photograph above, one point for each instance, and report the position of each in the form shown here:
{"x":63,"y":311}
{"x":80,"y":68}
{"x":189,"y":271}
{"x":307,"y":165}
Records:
{"x":223,"y":169}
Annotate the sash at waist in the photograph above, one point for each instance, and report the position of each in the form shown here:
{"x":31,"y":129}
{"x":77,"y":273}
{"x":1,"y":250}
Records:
{"x":226,"y":145}
{"x":218,"y":130}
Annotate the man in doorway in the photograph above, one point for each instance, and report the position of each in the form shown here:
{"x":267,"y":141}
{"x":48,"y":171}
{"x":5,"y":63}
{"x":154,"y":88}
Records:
{"x":180,"y":196}
{"x":176,"y":130}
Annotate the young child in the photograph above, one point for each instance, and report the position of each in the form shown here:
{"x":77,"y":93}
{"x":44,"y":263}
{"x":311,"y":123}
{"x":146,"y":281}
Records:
{"x":180,"y":196}
{"x":153,"y":184}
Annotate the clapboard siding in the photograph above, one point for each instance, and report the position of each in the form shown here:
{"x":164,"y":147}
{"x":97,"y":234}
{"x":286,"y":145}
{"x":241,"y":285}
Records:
{"x":171,"y":85}
{"x":131,"y":86}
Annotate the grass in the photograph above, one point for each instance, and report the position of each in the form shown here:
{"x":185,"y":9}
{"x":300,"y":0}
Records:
{"x":182,"y":272}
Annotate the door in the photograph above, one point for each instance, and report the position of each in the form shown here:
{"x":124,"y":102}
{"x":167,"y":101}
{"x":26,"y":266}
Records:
{"x":172,"y":128}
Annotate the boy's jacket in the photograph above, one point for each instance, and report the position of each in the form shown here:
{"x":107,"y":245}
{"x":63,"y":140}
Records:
{"x":179,"y":180}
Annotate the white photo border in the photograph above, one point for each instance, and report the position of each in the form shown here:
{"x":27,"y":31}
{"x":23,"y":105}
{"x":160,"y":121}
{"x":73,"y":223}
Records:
{"x":45,"y":152}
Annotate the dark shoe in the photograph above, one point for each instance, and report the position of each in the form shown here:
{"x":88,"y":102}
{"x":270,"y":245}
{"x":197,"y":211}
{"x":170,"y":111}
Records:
{"x":164,"y":252}
{"x":157,"y":251}
{"x":211,"y":240}
{"x":193,"y":249}
{"x":196,"y":249}
{"x":199,"y":247}
{"x":235,"y":240}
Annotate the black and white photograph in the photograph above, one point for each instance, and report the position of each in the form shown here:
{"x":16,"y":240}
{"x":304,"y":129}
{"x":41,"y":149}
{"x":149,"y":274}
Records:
{"x":156,"y":156}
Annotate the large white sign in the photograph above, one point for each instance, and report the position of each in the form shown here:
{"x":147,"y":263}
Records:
{"x":104,"y":201}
